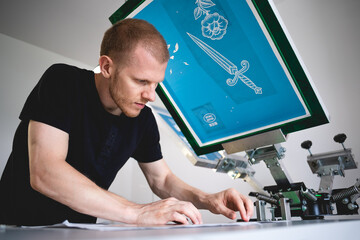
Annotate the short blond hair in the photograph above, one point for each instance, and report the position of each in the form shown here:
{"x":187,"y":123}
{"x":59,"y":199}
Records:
{"x":123,"y":37}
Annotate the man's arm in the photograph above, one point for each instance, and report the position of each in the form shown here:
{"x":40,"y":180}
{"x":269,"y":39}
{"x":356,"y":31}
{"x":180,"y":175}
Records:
{"x":52,"y":176}
{"x":165,"y":184}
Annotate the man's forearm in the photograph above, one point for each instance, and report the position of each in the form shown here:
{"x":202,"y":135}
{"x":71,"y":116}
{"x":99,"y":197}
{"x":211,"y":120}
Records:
{"x":165,"y":184}
{"x":175,"y":187}
{"x":69,"y":187}
{"x":52,"y":176}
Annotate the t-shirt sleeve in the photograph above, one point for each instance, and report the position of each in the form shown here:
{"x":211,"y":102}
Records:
{"x":50,"y":100}
{"x":149,"y":149}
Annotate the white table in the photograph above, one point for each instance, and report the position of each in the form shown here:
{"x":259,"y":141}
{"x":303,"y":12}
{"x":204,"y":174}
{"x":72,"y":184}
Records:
{"x":294,"y":230}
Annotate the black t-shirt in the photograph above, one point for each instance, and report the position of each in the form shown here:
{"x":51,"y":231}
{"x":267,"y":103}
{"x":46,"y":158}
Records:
{"x":99,"y":144}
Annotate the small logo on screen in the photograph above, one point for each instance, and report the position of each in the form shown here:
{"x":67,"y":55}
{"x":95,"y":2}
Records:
{"x":209,"y":118}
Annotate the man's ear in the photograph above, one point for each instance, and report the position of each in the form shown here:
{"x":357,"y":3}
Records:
{"x":106,"y":66}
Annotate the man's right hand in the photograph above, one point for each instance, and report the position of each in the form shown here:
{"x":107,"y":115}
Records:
{"x":168,"y":210}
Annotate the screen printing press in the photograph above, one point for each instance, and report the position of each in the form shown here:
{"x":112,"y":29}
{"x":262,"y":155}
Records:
{"x":235,"y":83}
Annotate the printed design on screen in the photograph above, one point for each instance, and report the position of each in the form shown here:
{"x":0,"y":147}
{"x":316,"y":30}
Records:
{"x":172,"y":57}
{"x":213,"y":25}
{"x":210,"y":119}
{"x":228,"y":66}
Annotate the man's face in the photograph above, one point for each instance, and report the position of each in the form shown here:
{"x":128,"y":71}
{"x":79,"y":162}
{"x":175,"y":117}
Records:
{"x":134,"y":85}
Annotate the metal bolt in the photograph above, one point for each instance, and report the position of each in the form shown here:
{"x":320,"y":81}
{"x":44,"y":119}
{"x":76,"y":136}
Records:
{"x":345,"y":201}
{"x":351,"y":206}
{"x":303,"y":208}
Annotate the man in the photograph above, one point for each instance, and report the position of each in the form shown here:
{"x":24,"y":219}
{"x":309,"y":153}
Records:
{"x":79,"y":128}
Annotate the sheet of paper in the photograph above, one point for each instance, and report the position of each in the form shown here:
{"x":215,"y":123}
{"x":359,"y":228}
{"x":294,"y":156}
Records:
{"x":124,"y":227}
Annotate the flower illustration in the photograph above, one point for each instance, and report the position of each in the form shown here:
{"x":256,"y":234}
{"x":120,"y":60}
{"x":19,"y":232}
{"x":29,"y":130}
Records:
{"x":214,"y":26}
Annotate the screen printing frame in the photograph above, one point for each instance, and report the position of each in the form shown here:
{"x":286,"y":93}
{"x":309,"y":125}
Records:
{"x":267,"y":16}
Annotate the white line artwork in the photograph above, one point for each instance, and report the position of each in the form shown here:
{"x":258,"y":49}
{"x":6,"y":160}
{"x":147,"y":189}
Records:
{"x":214,"y":25}
{"x":172,"y":57}
{"x":228,"y":66}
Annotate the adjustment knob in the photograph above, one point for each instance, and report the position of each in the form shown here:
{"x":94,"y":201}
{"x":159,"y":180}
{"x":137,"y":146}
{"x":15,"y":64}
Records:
{"x":340,"y":138}
{"x":307,"y":145}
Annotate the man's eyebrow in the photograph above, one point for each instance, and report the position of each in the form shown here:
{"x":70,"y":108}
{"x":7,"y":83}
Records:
{"x":146,"y":80}
{"x":141,"y":79}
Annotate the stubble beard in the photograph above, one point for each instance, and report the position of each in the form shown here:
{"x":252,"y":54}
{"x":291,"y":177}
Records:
{"x":120,"y":102}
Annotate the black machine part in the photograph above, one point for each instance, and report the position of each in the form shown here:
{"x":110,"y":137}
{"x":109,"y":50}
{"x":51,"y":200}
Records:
{"x":345,"y":199}
{"x":304,"y":202}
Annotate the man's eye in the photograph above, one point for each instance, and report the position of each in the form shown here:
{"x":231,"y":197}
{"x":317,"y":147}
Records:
{"x":142,"y":81}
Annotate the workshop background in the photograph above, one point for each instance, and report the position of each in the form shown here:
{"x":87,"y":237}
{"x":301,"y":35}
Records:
{"x":35,"y":34}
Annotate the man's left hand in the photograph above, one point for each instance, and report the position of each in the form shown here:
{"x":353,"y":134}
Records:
{"x":229,"y":202}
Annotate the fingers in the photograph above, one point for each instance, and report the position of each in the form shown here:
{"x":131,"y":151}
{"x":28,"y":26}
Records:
{"x":241,"y":208}
{"x":243,"y":204}
{"x":169,"y":210}
{"x":187,"y":209}
{"x":249,"y":205}
{"x":180,"y":219}
{"x":234,"y":201}
{"x":227,"y":212}
{"x":242,"y":211}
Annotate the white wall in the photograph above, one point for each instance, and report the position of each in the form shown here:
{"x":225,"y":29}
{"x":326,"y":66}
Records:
{"x":327,"y":35}
{"x":21,"y":66}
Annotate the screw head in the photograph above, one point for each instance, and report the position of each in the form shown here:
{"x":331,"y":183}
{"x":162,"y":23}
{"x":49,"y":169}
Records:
{"x":303,"y":208}
{"x":351,"y":206}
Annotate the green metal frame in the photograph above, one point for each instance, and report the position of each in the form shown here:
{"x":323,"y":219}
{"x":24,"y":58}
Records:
{"x":318,"y":115}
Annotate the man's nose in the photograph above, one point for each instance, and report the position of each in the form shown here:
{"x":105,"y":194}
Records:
{"x":150,"y":94}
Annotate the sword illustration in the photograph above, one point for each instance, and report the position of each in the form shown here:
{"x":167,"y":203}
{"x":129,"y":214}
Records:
{"x":228,"y":66}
